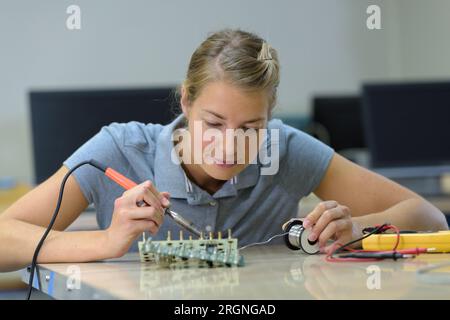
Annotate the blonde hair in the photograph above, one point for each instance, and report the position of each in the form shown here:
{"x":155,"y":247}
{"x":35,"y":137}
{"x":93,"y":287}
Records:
{"x":240,"y":58}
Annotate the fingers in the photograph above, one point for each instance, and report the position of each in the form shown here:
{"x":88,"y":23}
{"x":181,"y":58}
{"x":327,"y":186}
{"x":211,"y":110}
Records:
{"x":129,"y":205}
{"x":333,"y":228}
{"x":134,"y":195}
{"x":145,"y":225}
{"x":158,"y":195}
{"x":327,"y":217}
{"x":314,"y":215}
{"x":146,"y":213}
{"x":166,"y":196}
{"x":328,"y":220}
{"x":146,"y":192}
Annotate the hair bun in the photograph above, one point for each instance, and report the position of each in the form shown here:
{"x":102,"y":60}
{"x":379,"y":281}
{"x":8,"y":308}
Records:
{"x":265,"y":54}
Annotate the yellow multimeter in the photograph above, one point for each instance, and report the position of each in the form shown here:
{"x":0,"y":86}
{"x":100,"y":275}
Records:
{"x":439,"y":241}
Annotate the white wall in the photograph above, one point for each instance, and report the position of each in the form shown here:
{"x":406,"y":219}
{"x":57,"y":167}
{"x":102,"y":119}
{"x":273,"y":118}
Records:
{"x":424,"y":27}
{"x":324,"y":46}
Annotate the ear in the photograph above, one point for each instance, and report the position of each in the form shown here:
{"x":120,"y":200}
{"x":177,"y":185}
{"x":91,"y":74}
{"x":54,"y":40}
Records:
{"x":184,"y":102}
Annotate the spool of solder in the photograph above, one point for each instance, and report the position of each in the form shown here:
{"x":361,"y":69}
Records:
{"x":296,"y":238}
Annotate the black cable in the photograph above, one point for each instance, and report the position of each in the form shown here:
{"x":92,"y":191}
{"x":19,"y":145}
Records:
{"x":52,"y":221}
{"x":373,"y":255}
{"x":373,"y":231}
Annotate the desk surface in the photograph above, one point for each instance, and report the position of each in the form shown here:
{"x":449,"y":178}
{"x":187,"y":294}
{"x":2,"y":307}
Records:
{"x":271,"y":272}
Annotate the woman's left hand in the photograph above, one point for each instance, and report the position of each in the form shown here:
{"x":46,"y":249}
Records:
{"x":331,"y":221}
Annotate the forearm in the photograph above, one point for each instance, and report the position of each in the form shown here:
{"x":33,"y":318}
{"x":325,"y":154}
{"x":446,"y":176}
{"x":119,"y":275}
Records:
{"x":19,"y":239}
{"x":412,"y":214}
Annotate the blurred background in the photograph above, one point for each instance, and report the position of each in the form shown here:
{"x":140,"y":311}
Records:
{"x":381,"y":97}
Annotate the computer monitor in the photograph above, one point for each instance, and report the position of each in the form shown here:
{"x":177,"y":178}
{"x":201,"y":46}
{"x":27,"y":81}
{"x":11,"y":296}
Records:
{"x":337,"y":121}
{"x":61,"y":121}
{"x":407,"y":124}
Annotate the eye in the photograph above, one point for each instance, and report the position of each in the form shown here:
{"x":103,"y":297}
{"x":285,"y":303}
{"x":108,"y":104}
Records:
{"x":212,"y":124}
{"x":249,"y":128}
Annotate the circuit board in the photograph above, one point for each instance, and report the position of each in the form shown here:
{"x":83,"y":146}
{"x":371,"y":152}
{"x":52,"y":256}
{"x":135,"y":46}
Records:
{"x":210,"y":251}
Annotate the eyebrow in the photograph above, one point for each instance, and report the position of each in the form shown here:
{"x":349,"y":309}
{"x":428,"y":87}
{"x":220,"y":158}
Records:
{"x":223,"y":118}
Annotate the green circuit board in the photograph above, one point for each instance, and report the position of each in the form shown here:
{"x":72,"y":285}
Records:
{"x":210,"y":251}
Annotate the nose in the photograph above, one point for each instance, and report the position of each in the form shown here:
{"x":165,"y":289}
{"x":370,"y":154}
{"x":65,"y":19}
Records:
{"x":230,"y":146}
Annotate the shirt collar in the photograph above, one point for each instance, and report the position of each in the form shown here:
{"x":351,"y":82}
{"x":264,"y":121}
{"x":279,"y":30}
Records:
{"x":170,"y":176}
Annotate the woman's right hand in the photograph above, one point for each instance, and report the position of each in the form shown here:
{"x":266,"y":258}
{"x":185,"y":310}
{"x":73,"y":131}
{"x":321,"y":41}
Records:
{"x":130,"y":220}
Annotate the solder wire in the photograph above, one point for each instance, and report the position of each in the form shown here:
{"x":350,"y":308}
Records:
{"x":264,"y":242}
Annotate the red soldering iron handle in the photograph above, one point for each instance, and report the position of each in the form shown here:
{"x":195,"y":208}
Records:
{"x":121,"y":180}
{"x":124,"y":182}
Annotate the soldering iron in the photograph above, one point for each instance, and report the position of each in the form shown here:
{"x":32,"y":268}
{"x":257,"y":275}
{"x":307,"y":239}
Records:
{"x":127,"y":184}
{"x":118,"y":178}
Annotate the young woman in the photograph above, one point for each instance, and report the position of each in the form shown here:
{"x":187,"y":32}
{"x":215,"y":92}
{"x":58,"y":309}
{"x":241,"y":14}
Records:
{"x":231,"y":83}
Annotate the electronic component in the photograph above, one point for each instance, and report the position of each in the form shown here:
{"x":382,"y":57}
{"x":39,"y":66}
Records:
{"x":116,"y":177}
{"x":296,"y":238}
{"x":209,"y":251}
{"x":214,"y":252}
{"x":438,"y":241}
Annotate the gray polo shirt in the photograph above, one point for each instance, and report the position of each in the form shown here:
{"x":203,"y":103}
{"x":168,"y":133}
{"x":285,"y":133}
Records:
{"x":252,"y":205}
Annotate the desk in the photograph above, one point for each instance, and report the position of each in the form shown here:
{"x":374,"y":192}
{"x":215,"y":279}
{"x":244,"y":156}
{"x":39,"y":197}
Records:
{"x":9,"y":196}
{"x":271,"y":272}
